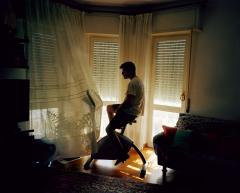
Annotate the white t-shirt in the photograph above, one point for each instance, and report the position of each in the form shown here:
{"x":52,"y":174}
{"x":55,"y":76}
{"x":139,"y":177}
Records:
{"x":135,"y":88}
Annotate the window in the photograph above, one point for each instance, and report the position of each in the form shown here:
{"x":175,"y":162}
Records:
{"x":44,"y":122}
{"x":170,"y":78}
{"x":43,"y":48}
{"x":104,"y":59}
{"x":43,"y":70}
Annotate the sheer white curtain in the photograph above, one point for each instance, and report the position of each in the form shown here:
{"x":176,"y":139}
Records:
{"x":61,"y":108}
{"x":135,"y":45}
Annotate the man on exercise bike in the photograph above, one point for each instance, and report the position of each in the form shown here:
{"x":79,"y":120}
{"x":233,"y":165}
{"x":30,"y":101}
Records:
{"x":126,"y":112}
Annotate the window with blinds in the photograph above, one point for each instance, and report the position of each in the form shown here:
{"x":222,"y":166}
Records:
{"x":43,"y":74}
{"x":43,"y":48}
{"x":104,"y":57}
{"x":170,"y":78}
{"x":169,"y":72}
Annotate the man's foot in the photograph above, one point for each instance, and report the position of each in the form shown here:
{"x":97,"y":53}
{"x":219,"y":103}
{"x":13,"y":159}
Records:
{"x":122,"y":159}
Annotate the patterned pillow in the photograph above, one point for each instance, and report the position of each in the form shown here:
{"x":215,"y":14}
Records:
{"x":192,"y":122}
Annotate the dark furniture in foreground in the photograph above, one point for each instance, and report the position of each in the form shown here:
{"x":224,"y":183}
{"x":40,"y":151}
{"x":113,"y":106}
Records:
{"x":24,"y":159}
{"x":20,"y":147}
{"x":18,"y":144}
{"x":200,"y":144}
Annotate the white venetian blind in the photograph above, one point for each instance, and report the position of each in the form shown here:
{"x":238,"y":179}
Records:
{"x":43,"y":79}
{"x":169,"y":72}
{"x":105,"y":62}
{"x":43,"y":70}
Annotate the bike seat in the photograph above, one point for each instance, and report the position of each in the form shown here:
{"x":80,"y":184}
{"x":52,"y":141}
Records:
{"x":124,"y":127}
{"x":134,"y":121}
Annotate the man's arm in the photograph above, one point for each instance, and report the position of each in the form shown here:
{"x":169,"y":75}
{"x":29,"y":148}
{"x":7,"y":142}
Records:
{"x":128,"y":101}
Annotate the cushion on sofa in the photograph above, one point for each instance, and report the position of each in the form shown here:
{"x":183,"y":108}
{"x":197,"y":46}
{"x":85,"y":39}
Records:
{"x":169,"y":132}
{"x":181,"y":139}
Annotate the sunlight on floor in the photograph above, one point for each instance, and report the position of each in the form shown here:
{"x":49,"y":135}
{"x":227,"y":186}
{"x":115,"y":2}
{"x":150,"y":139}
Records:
{"x":136,"y":169}
{"x":130,"y":169}
{"x":105,"y":163}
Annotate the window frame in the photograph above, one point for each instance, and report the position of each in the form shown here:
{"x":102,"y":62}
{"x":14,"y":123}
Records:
{"x":103,"y":37}
{"x":185,"y":90}
{"x":170,"y":113}
{"x":111,"y":38}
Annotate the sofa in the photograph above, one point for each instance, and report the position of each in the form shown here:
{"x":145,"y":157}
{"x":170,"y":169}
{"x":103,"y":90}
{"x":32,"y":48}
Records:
{"x":200,"y":144}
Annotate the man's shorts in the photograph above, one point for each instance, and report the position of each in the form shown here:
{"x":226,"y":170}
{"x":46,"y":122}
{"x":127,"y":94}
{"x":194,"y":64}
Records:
{"x":115,"y":107}
{"x":121,"y":119}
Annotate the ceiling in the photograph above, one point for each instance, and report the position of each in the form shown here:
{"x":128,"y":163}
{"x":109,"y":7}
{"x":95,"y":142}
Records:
{"x":127,"y":6}
{"x":121,"y":2}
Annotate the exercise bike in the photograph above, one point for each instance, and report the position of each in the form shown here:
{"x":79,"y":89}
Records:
{"x":106,"y":150}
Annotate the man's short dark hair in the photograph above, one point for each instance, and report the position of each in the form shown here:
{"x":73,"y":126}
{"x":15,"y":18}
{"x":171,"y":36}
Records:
{"x":128,"y":66}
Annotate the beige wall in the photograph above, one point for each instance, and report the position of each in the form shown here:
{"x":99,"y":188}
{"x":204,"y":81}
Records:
{"x":175,"y":19}
{"x":105,"y":23}
{"x":215,"y":71}
{"x":215,"y":64}
{"x":168,"y":20}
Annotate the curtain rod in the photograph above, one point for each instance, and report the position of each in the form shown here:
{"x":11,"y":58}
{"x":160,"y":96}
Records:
{"x":132,"y":10}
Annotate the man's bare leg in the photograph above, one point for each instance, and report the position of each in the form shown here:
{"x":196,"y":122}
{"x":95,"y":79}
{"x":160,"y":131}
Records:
{"x":111,"y":111}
